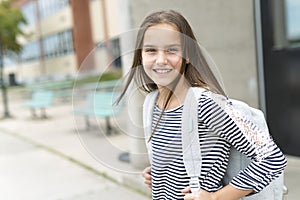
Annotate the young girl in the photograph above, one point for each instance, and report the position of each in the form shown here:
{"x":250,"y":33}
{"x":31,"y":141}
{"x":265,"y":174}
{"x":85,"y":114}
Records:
{"x":167,"y":58}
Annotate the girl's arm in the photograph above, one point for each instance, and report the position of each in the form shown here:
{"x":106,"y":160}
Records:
{"x":226,"y":193}
{"x":268,"y":162}
{"x":230,"y":193}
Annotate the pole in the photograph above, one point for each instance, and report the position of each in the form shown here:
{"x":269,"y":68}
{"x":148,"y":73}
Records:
{"x":3,"y":87}
{"x":40,"y":41}
{"x":105,"y":27}
{"x":104,"y":17}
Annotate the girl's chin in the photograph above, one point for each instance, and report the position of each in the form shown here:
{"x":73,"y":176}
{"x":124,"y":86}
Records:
{"x":161,"y":84}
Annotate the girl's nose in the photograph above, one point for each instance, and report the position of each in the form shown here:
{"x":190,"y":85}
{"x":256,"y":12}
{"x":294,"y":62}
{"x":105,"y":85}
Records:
{"x":161,"y":58}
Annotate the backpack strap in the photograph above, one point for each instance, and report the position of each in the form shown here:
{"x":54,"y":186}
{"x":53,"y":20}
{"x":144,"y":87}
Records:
{"x":147,"y":119}
{"x":190,"y":138}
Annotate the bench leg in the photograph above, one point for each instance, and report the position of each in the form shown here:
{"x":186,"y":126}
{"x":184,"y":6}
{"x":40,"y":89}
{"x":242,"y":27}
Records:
{"x":108,"y":126}
{"x":87,"y":122}
{"x":43,"y":113}
{"x":33,"y":113}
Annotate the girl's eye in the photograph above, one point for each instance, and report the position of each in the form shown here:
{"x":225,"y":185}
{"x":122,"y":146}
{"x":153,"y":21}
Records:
{"x":150,"y":50}
{"x":173,"y":50}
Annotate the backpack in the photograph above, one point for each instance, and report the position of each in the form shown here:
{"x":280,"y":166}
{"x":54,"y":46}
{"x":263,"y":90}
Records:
{"x":192,"y":154}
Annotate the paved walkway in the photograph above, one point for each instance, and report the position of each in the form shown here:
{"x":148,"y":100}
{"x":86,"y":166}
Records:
{"x":31,"y":172}
{"x":50,"y":159}
{"x":57,"y":158}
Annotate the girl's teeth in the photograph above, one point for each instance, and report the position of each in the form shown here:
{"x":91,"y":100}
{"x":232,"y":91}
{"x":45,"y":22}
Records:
{"x":162,"y":71}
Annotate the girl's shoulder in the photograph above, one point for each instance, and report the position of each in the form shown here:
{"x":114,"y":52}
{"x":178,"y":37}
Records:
{"x":205,"y":93}
{"x":206,"y":96}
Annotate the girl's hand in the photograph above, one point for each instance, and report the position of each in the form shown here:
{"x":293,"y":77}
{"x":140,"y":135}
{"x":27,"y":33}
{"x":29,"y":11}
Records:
{"x":201,"y":195}
{"x":147,"y":176}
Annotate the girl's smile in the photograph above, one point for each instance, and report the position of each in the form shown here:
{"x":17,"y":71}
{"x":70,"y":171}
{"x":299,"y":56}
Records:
{"x":162,"y":71}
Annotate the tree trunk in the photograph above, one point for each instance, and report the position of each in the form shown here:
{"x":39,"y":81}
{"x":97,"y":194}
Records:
{"x":3,"y":87}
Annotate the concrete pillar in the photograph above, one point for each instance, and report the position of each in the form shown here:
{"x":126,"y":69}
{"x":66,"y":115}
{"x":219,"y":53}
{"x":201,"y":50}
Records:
{"x":138,"y":156}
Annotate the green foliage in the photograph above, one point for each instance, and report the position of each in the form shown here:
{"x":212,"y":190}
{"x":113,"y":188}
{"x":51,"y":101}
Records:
{"x":107,"y":76}
{"x":10,"y":19}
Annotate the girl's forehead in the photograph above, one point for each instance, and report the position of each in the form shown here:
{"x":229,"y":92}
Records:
{"x":162,"y":34}
{"x":164,"y":26}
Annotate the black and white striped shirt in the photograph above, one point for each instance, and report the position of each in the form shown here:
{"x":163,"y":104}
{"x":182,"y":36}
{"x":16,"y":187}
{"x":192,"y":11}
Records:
{"x":217,"y":132}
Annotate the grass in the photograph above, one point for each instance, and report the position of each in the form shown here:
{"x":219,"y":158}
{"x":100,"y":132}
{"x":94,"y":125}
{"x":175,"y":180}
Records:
{"x":108,"y":76}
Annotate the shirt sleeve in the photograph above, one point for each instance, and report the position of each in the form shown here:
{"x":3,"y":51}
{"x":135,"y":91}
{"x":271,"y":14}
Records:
{"x":267,"y":160}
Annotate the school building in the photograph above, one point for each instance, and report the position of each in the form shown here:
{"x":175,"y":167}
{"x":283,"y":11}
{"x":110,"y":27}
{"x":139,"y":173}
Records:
{"x":255,"y":44}
{"x":60,"y":34}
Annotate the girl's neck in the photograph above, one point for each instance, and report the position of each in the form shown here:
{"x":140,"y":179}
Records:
{"x":177,"y":97}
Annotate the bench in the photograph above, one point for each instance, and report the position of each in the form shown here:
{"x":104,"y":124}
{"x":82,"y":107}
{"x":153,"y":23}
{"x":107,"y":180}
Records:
{"x":100,"y":104}
{"x":50,"y":85}
{"x":40,"y":100}
{"x":61,"y":89}
{"x":103,"y":85}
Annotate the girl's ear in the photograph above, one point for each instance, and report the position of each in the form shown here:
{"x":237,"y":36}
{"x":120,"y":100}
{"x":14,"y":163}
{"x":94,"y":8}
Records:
{"x":187,"y":61}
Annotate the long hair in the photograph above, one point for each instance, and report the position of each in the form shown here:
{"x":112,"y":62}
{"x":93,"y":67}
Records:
{"x":195,"y":67}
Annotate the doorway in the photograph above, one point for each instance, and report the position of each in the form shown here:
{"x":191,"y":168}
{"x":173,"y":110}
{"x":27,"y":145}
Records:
{"x":280,"y":21}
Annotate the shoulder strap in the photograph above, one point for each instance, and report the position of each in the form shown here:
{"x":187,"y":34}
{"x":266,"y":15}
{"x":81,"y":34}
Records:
{"x":147,"y":119}
{"x":190,"y":139}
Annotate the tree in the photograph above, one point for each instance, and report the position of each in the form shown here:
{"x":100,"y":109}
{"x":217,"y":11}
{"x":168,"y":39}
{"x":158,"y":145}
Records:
{"x":10,"y":19}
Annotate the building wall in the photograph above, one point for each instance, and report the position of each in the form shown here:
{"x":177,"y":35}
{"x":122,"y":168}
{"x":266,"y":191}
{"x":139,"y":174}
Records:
{"x":61,"y":21}
{"x":226,"y":30}
{"x":113,"y":19}
{"x":58,"y":22}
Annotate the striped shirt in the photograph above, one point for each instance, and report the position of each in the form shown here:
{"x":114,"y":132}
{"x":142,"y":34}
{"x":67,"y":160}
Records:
{"x":217,"y":132}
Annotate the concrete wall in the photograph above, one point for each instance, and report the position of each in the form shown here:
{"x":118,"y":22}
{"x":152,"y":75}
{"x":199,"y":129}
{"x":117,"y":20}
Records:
{"x":59,"y":22}
{"x":113,"y":19}
{"x":226,"y":30}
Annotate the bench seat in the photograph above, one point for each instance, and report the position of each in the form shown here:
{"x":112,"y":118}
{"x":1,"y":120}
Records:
{"x":40,"y":100}
{"x":100,"y":104}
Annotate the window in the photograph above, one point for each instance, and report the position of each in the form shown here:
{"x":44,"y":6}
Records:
{"x":114,"y":50}
{"x":30,"y":52}
{"x":55,"y":45}
{"x":286,"y":16}
{"x":29,"y":12}
{"x":58,"y":44}
{"x":292,"y":9}
{"x":49,"y":7}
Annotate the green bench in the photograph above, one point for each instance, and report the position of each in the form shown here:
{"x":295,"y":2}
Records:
{"x":103,"y":85}
{"x":100,"y":104}
{"x":61,"y":89}
{"x":50,"y":85}
{"x":40,"y":100}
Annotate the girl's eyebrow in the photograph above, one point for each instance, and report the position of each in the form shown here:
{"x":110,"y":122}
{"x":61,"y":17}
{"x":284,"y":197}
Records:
{"x":170,"y":45}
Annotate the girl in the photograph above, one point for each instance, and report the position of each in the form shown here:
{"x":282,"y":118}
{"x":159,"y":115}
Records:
{"x":167,"y":58}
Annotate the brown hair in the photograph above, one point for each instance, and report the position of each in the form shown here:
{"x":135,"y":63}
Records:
{"x":196,"y":72}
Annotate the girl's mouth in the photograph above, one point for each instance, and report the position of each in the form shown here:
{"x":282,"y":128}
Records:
{"x":162,"y":71}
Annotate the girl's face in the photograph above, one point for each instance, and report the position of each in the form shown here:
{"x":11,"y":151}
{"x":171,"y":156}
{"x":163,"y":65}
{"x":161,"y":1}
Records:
{"x":162,"y":53}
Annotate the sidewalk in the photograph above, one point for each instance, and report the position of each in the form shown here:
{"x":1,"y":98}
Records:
{"x":52,"y":158}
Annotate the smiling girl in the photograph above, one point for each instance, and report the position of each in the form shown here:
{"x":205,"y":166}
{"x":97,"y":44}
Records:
{"x":169,"y":60}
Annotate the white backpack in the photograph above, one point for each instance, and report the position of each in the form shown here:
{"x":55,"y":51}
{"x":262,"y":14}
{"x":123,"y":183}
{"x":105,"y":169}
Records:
{"x":192,"y":152}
